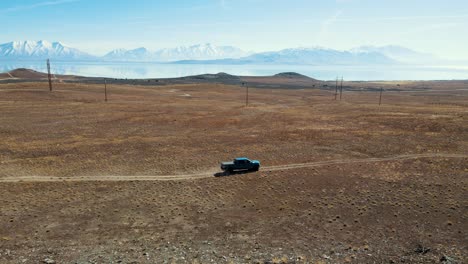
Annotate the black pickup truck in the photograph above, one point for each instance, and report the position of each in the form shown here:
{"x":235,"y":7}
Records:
{"x":240,"y":164}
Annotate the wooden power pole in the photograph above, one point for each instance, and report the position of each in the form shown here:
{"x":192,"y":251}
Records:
{"x":48,"y":75}
{"x":105,"y":90}
{"x":380,"y":98}
{"x":246,"y":94}
{"x":336,"y":88}
{"x":341,"y":88}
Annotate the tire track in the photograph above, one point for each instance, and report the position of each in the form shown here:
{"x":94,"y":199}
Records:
{"x":211,"y":174}
{"x":345,"y":161}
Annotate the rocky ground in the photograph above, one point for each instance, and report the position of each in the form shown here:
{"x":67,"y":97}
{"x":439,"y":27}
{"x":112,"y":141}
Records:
{"x":381,"y":184}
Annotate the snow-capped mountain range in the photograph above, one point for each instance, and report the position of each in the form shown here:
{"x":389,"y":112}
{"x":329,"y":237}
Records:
{"x":40,"y":50}
{"x":397,"y":53}
{"x":195,"y":52}
{"x":139,"y":54}
{"x":212,"y":54}
{"x":319,"y":55}
{"x":200,"y":52}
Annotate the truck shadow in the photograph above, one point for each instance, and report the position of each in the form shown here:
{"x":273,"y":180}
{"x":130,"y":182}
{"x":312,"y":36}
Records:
{"x":225,"y":173}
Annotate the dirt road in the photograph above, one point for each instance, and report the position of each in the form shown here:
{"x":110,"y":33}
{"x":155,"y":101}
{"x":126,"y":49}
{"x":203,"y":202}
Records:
{"x":211,"y":173}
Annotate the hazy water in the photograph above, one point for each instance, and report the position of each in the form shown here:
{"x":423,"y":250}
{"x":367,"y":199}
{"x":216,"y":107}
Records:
{"x":161,"y":70}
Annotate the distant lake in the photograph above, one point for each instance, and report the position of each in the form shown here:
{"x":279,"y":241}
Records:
{"x":163,"y":70}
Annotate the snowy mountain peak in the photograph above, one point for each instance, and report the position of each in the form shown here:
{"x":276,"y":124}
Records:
{"x":117,"y":51}
{"x":202,"y":45}
{"x":141,"y":49}
{"x":204,"y":51}
{"x":314,"y":48}
{"x":41,"y":49}
{"x":138,"y":54}
{"x":44,"y":43}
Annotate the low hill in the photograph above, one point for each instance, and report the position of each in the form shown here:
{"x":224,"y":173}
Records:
{"x":23,"y":73}
{"x":291,"y":75}
{"x":221,"y":76}
{"x":285,"y":79}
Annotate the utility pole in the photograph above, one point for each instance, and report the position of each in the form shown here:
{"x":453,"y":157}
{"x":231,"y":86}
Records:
{"x":341,"y":88}
{"x":246,"y":94}
{"x":48,"y":75}
{"x":105,"y":90}
{"x":380,"y":98}
{"x":336,"y":88}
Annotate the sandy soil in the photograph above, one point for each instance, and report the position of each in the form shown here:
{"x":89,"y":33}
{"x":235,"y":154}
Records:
{"x":134,"y":180}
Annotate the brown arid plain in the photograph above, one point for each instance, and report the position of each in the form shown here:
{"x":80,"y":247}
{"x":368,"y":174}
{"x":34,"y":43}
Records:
{"x":136,"y":179}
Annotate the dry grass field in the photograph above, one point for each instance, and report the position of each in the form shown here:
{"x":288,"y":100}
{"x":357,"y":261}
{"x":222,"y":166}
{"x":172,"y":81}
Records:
{"x":341,"y":181}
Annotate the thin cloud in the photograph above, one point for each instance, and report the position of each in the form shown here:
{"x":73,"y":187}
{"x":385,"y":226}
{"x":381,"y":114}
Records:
{"x":325,"y":25}
{"x":41,"y":4}
{"x":400,"y":18}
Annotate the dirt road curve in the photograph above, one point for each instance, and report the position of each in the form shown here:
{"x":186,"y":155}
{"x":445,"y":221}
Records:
{"x":211,"y":174}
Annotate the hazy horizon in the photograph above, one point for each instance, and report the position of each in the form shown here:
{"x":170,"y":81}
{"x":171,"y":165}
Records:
{"x":66,"y":44}
{"x":97,"y":27}
{"x":142,"y":70}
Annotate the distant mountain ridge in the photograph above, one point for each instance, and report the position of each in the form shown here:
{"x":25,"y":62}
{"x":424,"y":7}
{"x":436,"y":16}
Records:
{"x":138,"y":54}
{"x":212,"y":54}
{"x":397,"y":53}
{"x":195,"y":52}
{"x":319,"y":56}
{"x":41,"y":50}
{"x":200,"y":52}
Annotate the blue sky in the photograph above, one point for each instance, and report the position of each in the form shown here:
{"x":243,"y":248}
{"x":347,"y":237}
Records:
{"x":433,"y":26}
